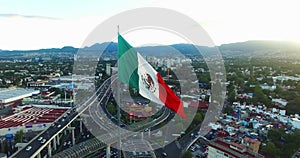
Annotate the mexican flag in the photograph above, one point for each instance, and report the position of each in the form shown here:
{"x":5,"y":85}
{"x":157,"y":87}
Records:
{"x":134,"y":70}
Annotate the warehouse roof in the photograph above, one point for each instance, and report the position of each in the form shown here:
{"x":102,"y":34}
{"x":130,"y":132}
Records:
{"x":12,"y":94}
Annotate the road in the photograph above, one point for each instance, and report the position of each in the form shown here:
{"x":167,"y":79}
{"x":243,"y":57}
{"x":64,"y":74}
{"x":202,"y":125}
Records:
{"x":177,"y":148}
{"x":97,"y":117}
{"x":58,"y":126}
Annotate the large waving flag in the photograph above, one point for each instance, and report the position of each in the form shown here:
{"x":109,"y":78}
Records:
{"x":135,"y":70}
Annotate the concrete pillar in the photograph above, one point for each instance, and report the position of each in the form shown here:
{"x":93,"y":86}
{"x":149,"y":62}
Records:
{"x":49,"y":149}
{"x":142,"y":135}
{"x":73,"y":137}
{"x":38,"y":155}
{"x":108,"y":151}
{"x":80,"y":124}
{"x":54,"y":143}
{"x":73,"y":134}
{"x":57,"y":138}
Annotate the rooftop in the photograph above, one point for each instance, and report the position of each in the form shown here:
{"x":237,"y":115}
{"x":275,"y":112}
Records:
{"x":12,"y":94}
{"x":31,"y":115}
{"x":226,"y":147}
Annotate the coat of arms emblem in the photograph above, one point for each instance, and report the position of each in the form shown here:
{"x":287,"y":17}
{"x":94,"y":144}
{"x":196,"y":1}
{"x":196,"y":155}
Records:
{"x":148,"y":82}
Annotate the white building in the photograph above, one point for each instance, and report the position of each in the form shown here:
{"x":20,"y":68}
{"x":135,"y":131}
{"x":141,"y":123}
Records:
{"x":280,"y":102}
{"x":108,"y":70}
{"x":295,"y":122}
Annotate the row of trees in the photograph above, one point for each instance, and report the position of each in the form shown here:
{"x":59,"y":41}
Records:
{"x":282,"y":144}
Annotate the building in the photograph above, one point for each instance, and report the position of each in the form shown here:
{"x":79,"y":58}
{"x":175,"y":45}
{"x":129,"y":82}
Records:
{"x":2,"y":155}
{"x":14,"y":96}
{"x":295,"y":122}
{"x":253,"y":144}
{"x":108,"y":70}
{"x":38,"y":84}
{"x":222,"y":149}
{"x":267,"y":87}
{"x":279,"y":102}
{"x":30,"y":118}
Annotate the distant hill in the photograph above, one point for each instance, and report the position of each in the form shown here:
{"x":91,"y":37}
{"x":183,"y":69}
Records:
{"x":261,"y":48}
{"x":240,"y":49}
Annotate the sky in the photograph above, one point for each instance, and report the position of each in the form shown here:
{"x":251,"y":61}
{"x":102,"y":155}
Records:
{"x":35,"y":24}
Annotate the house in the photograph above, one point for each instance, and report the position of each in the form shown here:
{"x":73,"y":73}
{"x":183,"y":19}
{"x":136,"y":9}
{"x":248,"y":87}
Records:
{"x":253,"y":144}
{"x":280,"y":102}
{"x":222,"y":149}
{"x":267,"y":87}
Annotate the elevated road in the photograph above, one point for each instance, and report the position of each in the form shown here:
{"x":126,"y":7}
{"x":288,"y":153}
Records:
{"x":99,"y":99}
{"x":61,"y":124}
{"x":94,"y":144}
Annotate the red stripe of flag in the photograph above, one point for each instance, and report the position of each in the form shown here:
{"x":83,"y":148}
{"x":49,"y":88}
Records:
{"x":169,"y":98}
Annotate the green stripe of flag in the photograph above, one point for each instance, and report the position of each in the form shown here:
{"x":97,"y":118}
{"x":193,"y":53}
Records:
{"x":127,"y":63}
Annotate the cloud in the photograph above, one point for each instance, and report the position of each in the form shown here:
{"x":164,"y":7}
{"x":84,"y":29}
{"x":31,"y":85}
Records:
{"x":27,"y":16}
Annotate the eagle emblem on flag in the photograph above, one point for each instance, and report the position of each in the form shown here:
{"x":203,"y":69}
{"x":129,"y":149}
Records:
{"x":148,"y":82}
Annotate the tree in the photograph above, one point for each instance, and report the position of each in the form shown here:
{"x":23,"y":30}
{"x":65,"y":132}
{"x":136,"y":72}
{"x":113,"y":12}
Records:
{"x":198,"y":118}
{"x":111,"y":109}
{"x":228,"y":110}
{"x":298,"y":88}
{"x":19,"y":136}
{"x":58,"y":91}
{"x":187,"y":154}
{"x":271,"y":149}
{"x":231,"y":96}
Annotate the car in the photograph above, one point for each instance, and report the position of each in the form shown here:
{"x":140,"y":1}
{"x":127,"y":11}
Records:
{"x":40,"y":138}
{"x":43,"y":141}
{"x":164,"y":154}
{"x":192,"y":148}
{"x":28,"y":148}
{"x":58,"y":126}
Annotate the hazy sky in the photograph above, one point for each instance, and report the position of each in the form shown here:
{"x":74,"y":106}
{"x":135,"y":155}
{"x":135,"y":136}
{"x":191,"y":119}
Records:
{"x":34,"y":24}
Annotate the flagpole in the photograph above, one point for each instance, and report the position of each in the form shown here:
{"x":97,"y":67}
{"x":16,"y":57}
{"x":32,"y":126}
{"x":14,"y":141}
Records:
{"x":118,"y":102}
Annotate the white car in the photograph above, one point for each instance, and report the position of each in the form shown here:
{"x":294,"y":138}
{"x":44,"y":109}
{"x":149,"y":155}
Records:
{"x":28,"y":148}
{"x":164,"y":154}
{"x":40,"y":138}
{"x":43,"y":141}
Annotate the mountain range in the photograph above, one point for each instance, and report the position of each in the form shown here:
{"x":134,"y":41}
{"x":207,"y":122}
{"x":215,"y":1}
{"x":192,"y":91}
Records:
{"x":240,"y":49}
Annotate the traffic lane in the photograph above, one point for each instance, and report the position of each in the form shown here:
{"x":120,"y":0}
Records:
{"x":35,"y":144}
{"x":173,"y":149}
